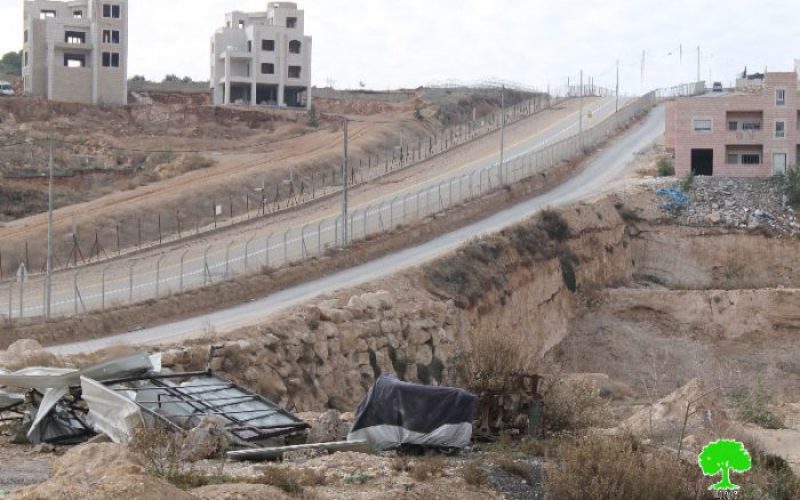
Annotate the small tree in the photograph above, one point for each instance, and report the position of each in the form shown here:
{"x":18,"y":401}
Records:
{"x":187,"y":79}
{"x":313,"y":118}
{"x":172,"y":78}
{"x":722,"y":456}
{"x":418,"y":113}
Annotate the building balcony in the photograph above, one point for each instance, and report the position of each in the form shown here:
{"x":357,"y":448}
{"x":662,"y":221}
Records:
{"x":73,"y":47}
{"x":746,"y":136}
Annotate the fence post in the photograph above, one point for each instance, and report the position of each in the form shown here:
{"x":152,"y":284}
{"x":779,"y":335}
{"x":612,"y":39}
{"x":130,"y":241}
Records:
{"x":303,"y":249}
{"x":22,"y":293}
{"x":10,"y":300}
{"x":103,"y":288}
{"x":319,"y":239}
{"x":75,"y":292}
{"x":266,"y":251}
{"x":158,"y":274}
{"x":247,"y":252}
{"x":180,"y":280}
{"x":228,"y":259}
{"x":130,"y":282}
{"x":366,"y":214}
{"x":206,"y":270}
{"x":286,"y":247}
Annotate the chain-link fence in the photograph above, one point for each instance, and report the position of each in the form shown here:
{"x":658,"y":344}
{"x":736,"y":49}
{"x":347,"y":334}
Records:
{"x":99,"y":288}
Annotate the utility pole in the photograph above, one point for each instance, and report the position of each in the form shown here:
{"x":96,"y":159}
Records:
{"x":502,"y":133}
{"x":644,"y":55}
{"x":616,"y":110}
{"x":49,"y":264}
{"x":580,"y":117}
{"x":345,"y":180}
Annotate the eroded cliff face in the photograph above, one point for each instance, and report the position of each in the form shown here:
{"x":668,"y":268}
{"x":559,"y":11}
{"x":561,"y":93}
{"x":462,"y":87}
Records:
{"x":328,"y":354}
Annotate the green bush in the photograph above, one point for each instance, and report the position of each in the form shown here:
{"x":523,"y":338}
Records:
{"x":665,"y":167}
{"x":792,"y":185}
{"x":753,"y":406}
{"x":313,"y":118}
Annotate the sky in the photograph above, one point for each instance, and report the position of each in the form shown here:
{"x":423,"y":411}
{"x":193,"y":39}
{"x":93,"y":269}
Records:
{"x":533,"y":43}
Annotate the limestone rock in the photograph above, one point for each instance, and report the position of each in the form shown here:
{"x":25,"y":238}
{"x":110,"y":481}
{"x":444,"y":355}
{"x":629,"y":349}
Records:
{"x":22,"y":348}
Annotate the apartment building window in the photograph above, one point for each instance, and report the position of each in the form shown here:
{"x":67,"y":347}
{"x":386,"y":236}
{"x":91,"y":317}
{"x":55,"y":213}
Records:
{"x":733,"y":126}
{"x":291,"y":22}
{"x":26,"y":58}
{"x":241,"y":25}
{"x":733,"y":159}
{"x":294,"y":47}
{"x":25,"y":36}
{"x":75,"y":60}
{"x":702,"y":125}
{"x":751,"y":126}
{"x":74,"y":37}
{"x":110,"y":36}
{"x":47,"y":14}
{"x":780,"y":97}
{"x":77,"y":14}
{"x":267,"y":69}
{"x":111,"y":11}
{"x":268,"y":45}
{"x":111,"y":59}
{"x":751,"y":159}
{"x":780,"y":130}
{"x":294,"y":71}
{"x":249,"y":46}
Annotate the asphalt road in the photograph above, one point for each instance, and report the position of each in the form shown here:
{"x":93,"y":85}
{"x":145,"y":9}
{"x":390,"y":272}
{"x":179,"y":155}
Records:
{"x":601,"y":171}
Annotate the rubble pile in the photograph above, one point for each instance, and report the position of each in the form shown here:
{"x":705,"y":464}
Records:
{"x":740,"y":203}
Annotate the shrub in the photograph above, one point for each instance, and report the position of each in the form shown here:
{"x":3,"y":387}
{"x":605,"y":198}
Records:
{"x":358,"y":478}
{"x":753,"y":406}
{"x":571,"y":405}
{"x":554,"y":225}
{"x":292,"y":481}
{"x":418,"y":113}
{"x":792,"y":185}
{"x":427,"y":468}
{"x":473,"y":474}
{"x":196,"y":162}
{"x":313,"y":118}
{"x":611,"y":468}
{"x":665,"y":167}
{"x":494,"y":355}
{"x":160,"y":450}
{"x":688,"y":182}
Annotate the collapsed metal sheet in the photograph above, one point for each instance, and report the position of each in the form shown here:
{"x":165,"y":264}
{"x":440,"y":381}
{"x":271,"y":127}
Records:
{"x":56,"y":420}
{"x":112,"y":413}
{"x":247,"y":416}
{"x":42,"y":379}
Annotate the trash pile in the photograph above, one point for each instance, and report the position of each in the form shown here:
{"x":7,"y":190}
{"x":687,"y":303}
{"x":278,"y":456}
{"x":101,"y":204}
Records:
{"x":740,"y":203}
{"x":114,"y":398}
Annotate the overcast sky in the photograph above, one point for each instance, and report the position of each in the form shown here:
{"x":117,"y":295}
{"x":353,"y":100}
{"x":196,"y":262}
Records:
{"x":391,"y":43}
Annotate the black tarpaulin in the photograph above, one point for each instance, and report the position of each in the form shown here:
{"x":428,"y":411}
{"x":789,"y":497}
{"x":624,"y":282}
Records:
{"x":394,"y":413}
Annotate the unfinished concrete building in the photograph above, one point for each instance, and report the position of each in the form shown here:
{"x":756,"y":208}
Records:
{"x":76,"y":51}
{"x":262,"y":58}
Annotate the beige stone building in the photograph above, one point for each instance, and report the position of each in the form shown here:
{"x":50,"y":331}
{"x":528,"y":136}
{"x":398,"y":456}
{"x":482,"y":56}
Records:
{"x":76,"y":51}
{"x":262,"y":58}
{"x":752,"y":131}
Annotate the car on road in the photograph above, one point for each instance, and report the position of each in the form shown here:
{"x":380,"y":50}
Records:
{"x":6,"y":90}
{"x":717,"y":87}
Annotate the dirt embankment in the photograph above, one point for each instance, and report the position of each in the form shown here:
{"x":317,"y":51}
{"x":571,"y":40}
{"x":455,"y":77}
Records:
{"x":572,"y":298}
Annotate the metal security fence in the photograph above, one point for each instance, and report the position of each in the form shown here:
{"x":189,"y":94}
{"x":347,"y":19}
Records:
{"x":283,"y":192}
{"x":98,"y":288}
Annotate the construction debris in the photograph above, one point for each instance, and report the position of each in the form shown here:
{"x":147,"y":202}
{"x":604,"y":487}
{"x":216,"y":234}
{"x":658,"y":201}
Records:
{"x":516,"y":409}
{"x":69,"y":406}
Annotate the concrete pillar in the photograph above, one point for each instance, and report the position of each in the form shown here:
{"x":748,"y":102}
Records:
{"x":253,"y":93}
{"x":281,"y":102}
{"x":50,"y":70}
{"x":227,"y":82}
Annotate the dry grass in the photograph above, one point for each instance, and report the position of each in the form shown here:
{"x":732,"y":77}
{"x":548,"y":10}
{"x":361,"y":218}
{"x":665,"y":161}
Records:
{"x":474,"y":475}
{"x":292,"y":481}
{"x":427,"y":468}
{"x":494,"y":355}
{"x":596,"y":468}
{"x":571,"y":405}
